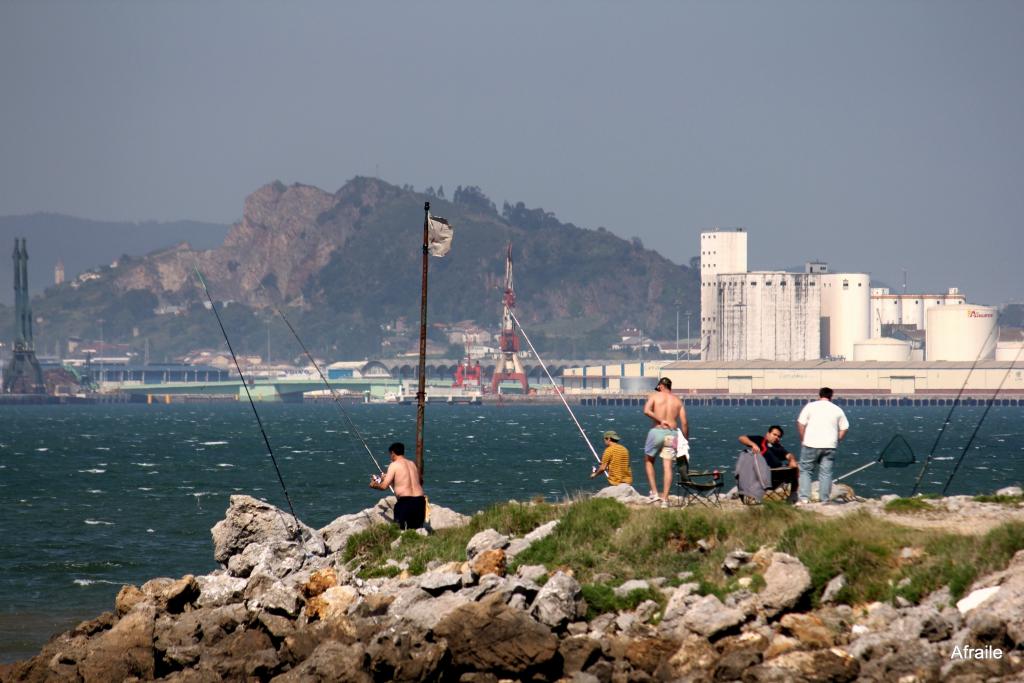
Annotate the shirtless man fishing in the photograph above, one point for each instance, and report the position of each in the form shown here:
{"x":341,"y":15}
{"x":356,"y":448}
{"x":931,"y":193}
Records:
{"x":411,"y":507}
{"x":663,"y":408}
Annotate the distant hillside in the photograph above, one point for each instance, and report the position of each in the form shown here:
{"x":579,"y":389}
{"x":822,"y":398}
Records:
{"x":345,"y":264}
{"x":84,"y":244}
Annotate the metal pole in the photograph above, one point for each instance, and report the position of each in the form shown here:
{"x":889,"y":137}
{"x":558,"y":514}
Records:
{"x":421,"y":391}
{"x":677,"y":332}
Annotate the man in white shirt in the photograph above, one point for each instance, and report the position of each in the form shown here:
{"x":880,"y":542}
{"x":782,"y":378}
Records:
{"x":822,"y":425}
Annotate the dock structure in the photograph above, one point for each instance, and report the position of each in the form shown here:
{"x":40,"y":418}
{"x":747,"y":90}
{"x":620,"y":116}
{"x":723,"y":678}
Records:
{"x":858,"y":401}
{"x":23,"y":376}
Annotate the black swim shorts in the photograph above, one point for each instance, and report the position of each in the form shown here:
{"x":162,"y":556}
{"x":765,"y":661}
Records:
{"x":410,"y":512}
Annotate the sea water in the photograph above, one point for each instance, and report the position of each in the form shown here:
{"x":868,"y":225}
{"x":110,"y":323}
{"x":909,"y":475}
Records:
{"x":94,"y":497}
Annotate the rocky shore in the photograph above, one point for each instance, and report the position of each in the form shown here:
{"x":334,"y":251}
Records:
{"x":284,"y":610}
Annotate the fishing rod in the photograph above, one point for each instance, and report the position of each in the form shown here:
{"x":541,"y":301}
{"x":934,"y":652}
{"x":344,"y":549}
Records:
{"x":988,"y":407}
{"x":949,"y":415}
{"x":334,"y":393}
{"x":552,"y":379}
{"x":245,"y":385}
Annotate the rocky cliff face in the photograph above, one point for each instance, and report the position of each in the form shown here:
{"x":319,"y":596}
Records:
{"x":285,"y":237}
{"x":351,"y":260}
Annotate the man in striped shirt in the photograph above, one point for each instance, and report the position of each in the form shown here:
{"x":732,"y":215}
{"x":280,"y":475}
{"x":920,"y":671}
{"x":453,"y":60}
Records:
{"x":614,"y":461}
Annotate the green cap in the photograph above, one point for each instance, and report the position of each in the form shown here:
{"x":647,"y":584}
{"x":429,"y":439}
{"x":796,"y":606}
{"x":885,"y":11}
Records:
{"x":614,"y":436}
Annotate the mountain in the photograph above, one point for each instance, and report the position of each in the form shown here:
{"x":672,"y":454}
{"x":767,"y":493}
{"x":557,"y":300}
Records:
{"x":82,"y":244}
{"x":342,"y":265}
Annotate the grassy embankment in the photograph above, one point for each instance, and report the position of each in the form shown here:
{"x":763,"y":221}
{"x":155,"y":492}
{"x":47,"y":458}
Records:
{"x":601,"y":538}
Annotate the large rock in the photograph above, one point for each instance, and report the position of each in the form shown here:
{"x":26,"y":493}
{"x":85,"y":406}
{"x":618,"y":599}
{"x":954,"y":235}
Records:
{"x":624,"y":493}
{"x":694,"y":660}
{"x":246,"y":654}
{"x":406,"y":655}
{"x":332,"y":603}
{"x":249,"y":520}
{"x":708,"y":617}
{"x":818,"y":666}
{"x":578,"y":652}
{"x":277,"y":559}
{"x":445,"y":518}
{"x":126,"y":650}
{"x":491,"y":636}
{"x":492,"y":561}
{"x":267,"y":593}
{"x":216,"y":590}
{"x":488,"y":539}
{"x":557,"y":602}
{"x":319,"y":581}
{"x":786,"y":581}
{"x":180,"y":639}
{"x":808,"y":629}
{"x":436,"y":583}
{"x":1006,"y":605}
{"x":331,"y":661}
{"x":424,"y":612}
{"x":337,"y":533}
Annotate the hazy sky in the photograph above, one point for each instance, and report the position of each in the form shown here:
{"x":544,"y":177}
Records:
{"x":877,"y":136}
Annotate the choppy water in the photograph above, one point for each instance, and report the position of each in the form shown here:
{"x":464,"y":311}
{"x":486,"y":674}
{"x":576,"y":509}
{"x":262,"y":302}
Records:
{"x":93,"y":497}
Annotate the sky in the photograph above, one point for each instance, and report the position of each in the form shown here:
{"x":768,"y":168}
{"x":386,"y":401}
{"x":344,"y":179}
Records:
{"x":879,"y":137}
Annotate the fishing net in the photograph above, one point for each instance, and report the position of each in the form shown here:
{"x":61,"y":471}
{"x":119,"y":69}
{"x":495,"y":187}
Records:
{"x":897,"y":453}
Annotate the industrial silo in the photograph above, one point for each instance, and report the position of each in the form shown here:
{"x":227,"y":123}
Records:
{"x":881,"y":349}
{"x":961,"y":332}
{"x":845,"y":319}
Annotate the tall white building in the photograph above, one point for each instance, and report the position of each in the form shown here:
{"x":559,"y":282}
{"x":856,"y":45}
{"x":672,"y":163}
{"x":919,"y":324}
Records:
{"x":721,"y":252}
{"x":766,"y":315}
{"x":845,"y":302}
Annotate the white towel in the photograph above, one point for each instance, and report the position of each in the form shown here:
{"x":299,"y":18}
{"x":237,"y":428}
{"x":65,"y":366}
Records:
{"x":682,"y":446}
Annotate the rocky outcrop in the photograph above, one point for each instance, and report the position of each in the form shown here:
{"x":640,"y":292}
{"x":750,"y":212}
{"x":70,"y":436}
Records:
{"x":279,"y":612}
{"x":250,"y":521}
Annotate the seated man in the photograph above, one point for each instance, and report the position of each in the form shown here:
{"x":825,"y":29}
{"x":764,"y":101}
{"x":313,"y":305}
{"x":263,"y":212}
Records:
{"x":784,"y":465}
{"x":614,"y":461}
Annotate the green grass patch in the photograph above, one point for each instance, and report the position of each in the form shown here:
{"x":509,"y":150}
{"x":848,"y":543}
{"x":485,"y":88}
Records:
{"x":1014,"y":501}
{"x":604,"y":544}
{"x":373,"y":546}
{"x":956,"y":561}
{"x":601,"y":598}
{"x":908,"y":505}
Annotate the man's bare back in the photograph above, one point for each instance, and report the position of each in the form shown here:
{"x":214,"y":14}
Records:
{"x":663,"y":408}
{"x":403,"y":475}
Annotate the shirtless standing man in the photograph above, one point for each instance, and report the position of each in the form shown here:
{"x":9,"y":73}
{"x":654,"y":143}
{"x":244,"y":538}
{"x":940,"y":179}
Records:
{"x":411,"y":507}
{"x":663,"y":408}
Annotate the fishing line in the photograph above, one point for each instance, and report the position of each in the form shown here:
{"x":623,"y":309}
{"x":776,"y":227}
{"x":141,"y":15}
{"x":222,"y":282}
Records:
{"x":552,"y":379}
{"x":956,"y":402}
{"x":988,"y":407}
{"x":245,"y":385}
{"x":334,"y":393}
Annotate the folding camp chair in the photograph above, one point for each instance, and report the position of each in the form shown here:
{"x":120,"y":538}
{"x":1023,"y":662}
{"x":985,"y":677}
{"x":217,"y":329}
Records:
{"x":784,"y":489}
{"x":698,"y":487}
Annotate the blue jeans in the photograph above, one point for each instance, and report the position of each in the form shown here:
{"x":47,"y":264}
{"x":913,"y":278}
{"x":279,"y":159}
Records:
{"x":818,"y":460}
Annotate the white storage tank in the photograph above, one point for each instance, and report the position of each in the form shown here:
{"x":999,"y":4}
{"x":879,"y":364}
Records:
{"x":881,"y":349}
{"x":845,"y":319}
{"x":1010,"y":351}
{"x":961,"y":332}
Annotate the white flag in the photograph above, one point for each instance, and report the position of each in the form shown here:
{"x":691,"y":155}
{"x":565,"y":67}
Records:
{"x":440,"y":236}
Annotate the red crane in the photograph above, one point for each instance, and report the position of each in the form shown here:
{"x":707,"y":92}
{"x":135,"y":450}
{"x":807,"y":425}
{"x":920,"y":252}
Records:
{"x":509,"y":366}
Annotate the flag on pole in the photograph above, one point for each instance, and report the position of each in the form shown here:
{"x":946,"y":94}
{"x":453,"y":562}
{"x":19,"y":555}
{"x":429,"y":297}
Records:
{"x":440,"y":236}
